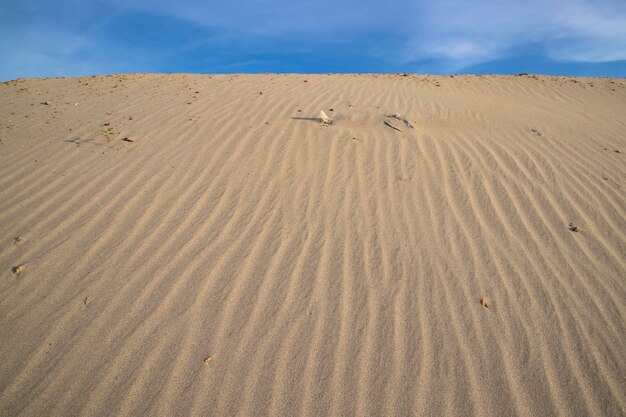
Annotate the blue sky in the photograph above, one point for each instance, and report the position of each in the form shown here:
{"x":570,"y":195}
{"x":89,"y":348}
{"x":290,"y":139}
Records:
{"x":41,"y":38}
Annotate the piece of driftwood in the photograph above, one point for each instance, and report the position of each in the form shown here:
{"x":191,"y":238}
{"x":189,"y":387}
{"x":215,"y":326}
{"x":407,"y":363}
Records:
{"x":401,"y":118}
{"x":325,"y":119}
{"x":388,"y":123}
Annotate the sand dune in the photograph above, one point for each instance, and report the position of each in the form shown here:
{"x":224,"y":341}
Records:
{"x":199,"y":245}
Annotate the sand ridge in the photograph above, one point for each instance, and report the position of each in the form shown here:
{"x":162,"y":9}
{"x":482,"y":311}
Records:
{"x":204,"y":245}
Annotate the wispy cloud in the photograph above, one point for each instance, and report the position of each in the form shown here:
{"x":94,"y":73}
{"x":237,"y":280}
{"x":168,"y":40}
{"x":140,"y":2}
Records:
{"x":38,"y":38}
{"x":591,"y":32}
{"x":459,"y":34}
{"x":53,"y":50}
{"x":450,"y":30}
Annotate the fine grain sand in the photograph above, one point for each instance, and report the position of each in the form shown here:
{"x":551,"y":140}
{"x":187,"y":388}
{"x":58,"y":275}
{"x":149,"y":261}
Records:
{"x":195,"y":245}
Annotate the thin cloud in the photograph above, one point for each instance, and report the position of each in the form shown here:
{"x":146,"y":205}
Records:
{"x":30,"y":51}
{"x":593,"y":34}
{"x":38,"y":38}
{"x":456,"y":33}
{"x":323,"y":17}
{"x":460,"y":34}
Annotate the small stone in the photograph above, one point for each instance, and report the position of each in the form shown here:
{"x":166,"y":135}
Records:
{"x":17,"y":269}
{"x":483,"y":302}
{"x":207,"y":360}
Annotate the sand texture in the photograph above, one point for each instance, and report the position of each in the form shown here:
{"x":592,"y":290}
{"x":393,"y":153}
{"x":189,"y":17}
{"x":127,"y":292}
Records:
{"x":196,"y":245}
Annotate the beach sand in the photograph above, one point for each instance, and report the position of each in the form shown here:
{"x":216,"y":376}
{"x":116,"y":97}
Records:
{"x":198,"y":245}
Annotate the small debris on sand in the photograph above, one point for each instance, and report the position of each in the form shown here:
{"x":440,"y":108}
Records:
{"x":388,"y":123}
{"x":325,"y":119}
{"x":208,"y":360}
{"x":17,"y":269}
{"x":573,"y":228}
{"x":401,"y":118}
{"x":483,"y":302}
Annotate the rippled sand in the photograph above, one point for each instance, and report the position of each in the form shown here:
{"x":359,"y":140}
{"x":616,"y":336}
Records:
{"x":198,"y":245}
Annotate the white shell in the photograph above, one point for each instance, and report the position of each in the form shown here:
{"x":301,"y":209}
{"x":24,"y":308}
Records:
{"x":325,"y":119}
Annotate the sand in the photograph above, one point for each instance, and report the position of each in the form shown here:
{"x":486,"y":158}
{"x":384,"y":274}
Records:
{"x":196,"y":245}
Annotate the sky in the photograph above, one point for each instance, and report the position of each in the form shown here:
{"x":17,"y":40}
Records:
{"x":52,"y":38}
